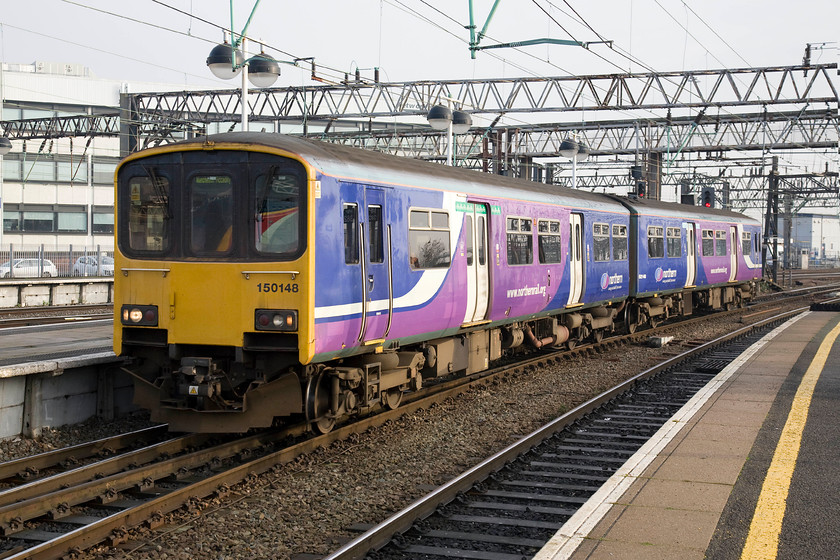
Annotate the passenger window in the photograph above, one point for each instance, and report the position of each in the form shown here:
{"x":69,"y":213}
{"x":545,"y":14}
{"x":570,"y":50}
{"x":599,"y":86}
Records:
{"x":720,"y":243}
{"x":656,"y":242}
{"x":620,"y":247}
{"x":746,"y":242}
{"x":351,"y":234}
{"x":428,"y":239}
{"x":708,"y":243}
{"x":520,"y":249}
{"x":549,"y":242}
{"x":211,"y":214}
{"x":377,"y":254}
{"x":674,"y":237}
{"x":601,"y":241}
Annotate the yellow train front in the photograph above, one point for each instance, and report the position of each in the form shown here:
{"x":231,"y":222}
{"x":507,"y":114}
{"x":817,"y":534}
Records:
{"x":211,"y":269}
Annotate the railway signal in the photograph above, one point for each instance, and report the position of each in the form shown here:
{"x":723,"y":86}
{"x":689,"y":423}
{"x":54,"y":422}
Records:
{"x":707,"y":197}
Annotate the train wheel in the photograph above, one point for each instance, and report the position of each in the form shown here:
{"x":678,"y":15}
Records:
{"x":392,"y":399}
{"x":598,"y":335}
{"x":631,"y":318}
{"x":318,"y":403}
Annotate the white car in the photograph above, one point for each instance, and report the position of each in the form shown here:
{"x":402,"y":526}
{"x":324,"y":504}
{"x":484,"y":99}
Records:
{"x":27,"y":268}
{"x":89,"y":266}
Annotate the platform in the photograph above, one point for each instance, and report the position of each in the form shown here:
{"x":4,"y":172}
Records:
{"x":747,"y":469}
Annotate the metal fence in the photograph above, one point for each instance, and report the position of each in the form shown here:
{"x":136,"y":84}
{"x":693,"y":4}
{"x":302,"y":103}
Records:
{"x":39,"y":261}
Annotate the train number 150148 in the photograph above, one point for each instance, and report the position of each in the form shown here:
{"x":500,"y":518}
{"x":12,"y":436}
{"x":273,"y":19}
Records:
{"x":271,"y":287}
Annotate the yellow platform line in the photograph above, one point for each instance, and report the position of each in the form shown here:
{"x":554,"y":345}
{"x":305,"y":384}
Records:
{"x":763,"y":538}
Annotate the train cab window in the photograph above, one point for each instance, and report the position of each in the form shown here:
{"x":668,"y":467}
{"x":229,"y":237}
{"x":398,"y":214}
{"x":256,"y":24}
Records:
{"x":674,"y":238}
{"x":708,"y":243}
{"x":549,"y":241}
{"x":211,"y":214}
{"x":746,"y":242}
{"x":277,"y":204}
{"x":620,"y":246}
{"x":351,"y":234}
{"x":656,"y":242}
{"x":377,"y":254}
{"x":520,"y":249}
{"x":149,"y":215}
{"x":601,"y":241}
{"x":720,"y":243}
{"x":428,"y":239}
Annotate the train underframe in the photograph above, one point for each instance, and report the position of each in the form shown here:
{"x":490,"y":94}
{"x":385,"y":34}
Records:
{"x":215,"y":389}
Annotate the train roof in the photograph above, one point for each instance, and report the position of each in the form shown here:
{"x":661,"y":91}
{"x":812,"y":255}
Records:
{"x":356,"y":164}
{"x":656,"y":207}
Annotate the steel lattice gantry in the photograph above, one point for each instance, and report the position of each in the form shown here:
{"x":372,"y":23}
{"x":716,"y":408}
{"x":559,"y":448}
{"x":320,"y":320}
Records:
{"x":743,"y":87}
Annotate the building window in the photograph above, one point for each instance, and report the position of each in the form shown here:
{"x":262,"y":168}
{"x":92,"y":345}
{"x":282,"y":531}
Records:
{"x":708,"y":243}
{"x":11,"y":169}
{"x":103,"y":223}
{"x":620,"y":246}
{"x":11,"y":221}
{"x":41,"y":222}
{"x":520,"y":249}
{"x":656,"y":242}
{"x":428,"y":239}
{"x":103,"y":172}
{"x":75,"y":171}
{"x":72,"y":222}
{"x":674,"y":235}
{"x":720,"y":243}
{"x":39,"y":170}
{"x":549,"y":241}
{"x":601,"y":241}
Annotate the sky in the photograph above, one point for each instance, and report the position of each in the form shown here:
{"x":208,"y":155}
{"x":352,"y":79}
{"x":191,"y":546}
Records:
{"x":159,"y":41}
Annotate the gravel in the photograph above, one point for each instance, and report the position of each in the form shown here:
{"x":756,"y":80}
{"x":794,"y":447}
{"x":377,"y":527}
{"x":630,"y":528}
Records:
{"x":307,"y":506}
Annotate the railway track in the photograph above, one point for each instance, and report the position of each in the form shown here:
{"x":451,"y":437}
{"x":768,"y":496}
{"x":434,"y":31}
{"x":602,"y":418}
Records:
{"x":48,"y":516}
{"x":28,"y":316}
{"x":508,"y":506}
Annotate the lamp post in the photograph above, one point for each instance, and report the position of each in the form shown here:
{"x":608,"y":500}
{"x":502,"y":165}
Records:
{"x":454,"y":122}
{"x":226,"y":61}
{"x":576,"y":151}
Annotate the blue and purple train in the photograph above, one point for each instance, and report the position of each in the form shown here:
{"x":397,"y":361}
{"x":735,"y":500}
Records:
{"x":261,"y":277}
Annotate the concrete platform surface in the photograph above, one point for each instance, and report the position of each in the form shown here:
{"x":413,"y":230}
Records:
{"x":728,"y":478}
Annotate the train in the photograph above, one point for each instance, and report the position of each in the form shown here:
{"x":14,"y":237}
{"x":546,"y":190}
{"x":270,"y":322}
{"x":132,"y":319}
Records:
{"x":262,"y":279}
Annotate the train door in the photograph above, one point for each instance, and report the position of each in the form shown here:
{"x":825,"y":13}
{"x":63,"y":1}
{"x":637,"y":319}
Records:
{"x":478,"y":271}
{"x":691,"y":254}
{"x":733,"y":253}
{"x":378,"y":302}
{"x":576,"y":271}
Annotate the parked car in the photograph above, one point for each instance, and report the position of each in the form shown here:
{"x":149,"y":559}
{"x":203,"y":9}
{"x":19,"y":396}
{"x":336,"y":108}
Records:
{"x":23,"y":268}
{"x":90,"y":266}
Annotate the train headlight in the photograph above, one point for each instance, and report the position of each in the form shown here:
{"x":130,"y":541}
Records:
{"x":275,"y":320}
{"x":140,"y":315}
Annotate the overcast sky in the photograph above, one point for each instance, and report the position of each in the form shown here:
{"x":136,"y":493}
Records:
{"x":416,"y":39}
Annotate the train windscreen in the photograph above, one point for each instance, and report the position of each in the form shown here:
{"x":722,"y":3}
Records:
{"x":212,"y":205}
